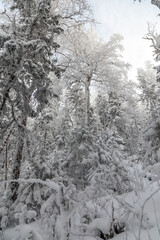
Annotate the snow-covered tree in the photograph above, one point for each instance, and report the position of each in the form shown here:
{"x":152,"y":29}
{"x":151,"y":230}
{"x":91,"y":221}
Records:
{"x":91,"y":61}
{"x":110,"y":175}
{"x":150,"y":97}
{"x":27,"y":43}
{"x":149,"y":88}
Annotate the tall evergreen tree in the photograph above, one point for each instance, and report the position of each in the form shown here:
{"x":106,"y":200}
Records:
{"x":150,"y":99}
{"x":26,"y":60}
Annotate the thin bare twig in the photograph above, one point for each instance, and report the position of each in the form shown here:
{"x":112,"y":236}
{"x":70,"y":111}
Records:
{"x":154,"y":193}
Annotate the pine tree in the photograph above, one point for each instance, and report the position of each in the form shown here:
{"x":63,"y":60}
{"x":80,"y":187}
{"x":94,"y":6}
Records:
{"x":82,"y":156}
{"x":26,"y":60}
{"x":150,"y":99}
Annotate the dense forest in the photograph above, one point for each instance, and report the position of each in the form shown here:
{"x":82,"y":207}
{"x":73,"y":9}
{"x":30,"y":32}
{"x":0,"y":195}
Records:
{"x":79,"y":141}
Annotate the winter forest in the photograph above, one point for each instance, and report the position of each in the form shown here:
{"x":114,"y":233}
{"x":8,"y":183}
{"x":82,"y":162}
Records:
{"x":79,"y":140}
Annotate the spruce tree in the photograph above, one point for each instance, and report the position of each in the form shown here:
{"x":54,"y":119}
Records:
{"x":27,"y":47}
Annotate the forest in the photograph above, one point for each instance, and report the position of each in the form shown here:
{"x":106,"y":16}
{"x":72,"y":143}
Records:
{"x":79,"y":140}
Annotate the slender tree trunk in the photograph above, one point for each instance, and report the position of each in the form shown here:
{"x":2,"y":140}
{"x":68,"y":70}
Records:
{"x":64,"y":208}
{"x":17,"y":160}
{"x":6,"y":167}
{"x":6,"y":93}
{"x":87,"y":100}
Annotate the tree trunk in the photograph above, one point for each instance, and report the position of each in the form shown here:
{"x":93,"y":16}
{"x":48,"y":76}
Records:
{"x":17,"y":160}
{"x":6,"y":167}
{"x":64,"y":208}
{"x":87,"y":101}
{"x":6,"y":93}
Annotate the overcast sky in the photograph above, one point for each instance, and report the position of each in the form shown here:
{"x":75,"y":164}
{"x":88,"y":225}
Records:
{"x":129,"y":19}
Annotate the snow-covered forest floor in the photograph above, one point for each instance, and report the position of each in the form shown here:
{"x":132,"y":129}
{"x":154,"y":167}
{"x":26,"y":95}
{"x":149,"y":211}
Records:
{"x":138,"y":212}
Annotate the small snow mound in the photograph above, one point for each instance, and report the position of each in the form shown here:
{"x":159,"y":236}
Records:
{"x":101,"y":224}
{"x":154,"y":169}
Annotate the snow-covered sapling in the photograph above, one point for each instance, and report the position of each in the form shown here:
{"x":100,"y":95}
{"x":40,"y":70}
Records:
{"x":26,"y":215}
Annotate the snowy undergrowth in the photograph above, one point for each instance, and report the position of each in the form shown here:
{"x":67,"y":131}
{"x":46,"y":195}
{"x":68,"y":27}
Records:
{"x":134,"y":215}
{"x":142,"y":221}
{"x":25,"y":232}
{"x":148,"y":205}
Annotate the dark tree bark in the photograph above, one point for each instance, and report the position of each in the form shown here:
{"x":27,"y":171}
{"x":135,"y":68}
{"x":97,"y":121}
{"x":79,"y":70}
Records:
{"x":6,"y":167}
{"x":18,"y":159}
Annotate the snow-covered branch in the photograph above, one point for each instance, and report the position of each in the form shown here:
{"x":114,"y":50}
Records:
{"x":48,"y":183}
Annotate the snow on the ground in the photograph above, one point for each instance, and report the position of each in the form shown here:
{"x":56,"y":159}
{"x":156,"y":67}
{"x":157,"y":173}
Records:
{"x":151,"y":234}
{"x":151,"y":210}
{"x":146,"y":203}
{"x":23,"y":231}
{"x":101,"y":224}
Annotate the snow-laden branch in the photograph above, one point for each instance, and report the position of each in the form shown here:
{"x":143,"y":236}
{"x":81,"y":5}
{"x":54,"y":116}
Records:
{"x":52,"y":185}
{"x":83,"y":234}
{"x":140,"y":216}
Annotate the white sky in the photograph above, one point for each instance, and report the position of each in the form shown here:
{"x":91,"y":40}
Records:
{"x":130,"y":20}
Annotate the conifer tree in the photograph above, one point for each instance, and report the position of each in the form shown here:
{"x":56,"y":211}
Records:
{"x":150,"y":100}
{"x":26,"y":60}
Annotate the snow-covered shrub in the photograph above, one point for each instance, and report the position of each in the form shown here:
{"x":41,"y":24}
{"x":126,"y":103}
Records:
{"x":101,"y":217}
{"x":49,"y":212}
{"x":25,"y":216}
{"x":33,"y":195}
{"x":136,"y":174}
{"x":81,"y":157}
{"x":152,"y":172}
{"x":3,"y":213}
{"x":27,"y":232}
{"x":105,"y":228}
{"x":111,"y":174}
{"x":108,"y":216}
